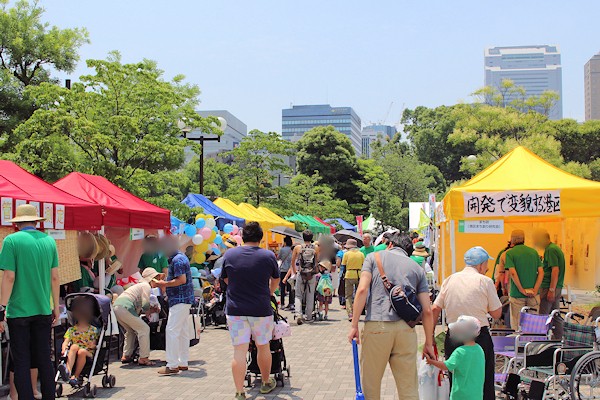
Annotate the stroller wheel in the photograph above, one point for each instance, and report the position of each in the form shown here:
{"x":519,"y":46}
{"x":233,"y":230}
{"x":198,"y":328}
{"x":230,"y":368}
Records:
{"x":58,"y":390}
{"x":288,"y":370}
{"x":279,"y":379}
{"x":86,"y":390}
{"x":105,"y":381}
{"x":112,"y":381}
{"x":248,"y":380}
{"x":93,"y":390}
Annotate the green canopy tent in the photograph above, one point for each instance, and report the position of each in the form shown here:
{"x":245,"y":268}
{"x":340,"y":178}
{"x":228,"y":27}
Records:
{"x":312,"y":224}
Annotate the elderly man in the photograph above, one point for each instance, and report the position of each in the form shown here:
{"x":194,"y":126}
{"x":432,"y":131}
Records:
{"x":554,"y":272}
{"x":352,"y":262}
{"x":386,"y":338}
{"x":367,"y":247}
{"x":526,"y":275}
{"x":30,"y":292}
{"x":470,"y":292}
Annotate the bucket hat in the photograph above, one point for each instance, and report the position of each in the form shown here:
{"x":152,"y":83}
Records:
{"x":27,"y":213}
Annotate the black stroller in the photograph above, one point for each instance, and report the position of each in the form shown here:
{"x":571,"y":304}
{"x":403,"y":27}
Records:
{"x":99,"y":364}
{"x":278,"y":363}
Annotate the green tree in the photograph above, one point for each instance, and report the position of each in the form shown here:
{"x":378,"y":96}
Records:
{"x":257,"y":161}
{"x":217,"y":177}
{"x":29,"y":50}
{"x":116,"y":122}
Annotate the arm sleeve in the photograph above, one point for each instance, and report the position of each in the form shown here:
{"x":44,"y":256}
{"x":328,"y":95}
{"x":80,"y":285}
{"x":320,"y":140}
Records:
{"x":141,"y":263}
{"x":224,"y":268}
{"x":510,"y":262}
{"x":454,"y":359}
{"x":55,"y":257}
{"x":552,"y":258}
{"x":440,"y":300}
{"x":369,"y":264}
{"x":274,"y":267}
{"x":422,"y":279}
{"x":164,"y":263}
{"x":7,"y":256}
{"x":68,"y":333}
{"x":178,"y":267}
{"x":345,"y":259}
{"x":493,"y":300}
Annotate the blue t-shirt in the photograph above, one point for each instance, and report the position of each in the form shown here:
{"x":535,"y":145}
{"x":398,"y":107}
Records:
{"x":183,"y":294}
{"x":249,"y":270}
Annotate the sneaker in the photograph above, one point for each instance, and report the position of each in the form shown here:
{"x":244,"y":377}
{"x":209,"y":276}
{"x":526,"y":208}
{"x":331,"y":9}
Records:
{"x":64,"y":372}
{"x":168,"y":371}
{"x":326,"y":318}
{"x":240,"y":396}
{"x":74,"y":382}
{"x":299,"y":320}
{"x":268,"y":387}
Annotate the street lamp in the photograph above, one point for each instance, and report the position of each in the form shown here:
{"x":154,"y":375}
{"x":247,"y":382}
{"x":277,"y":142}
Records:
{"x":185,"y":130}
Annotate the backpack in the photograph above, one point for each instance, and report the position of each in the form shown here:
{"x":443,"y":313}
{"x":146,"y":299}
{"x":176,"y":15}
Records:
{"x":325,"y":286}
{"x":404,"y":299}
{"x":308,"y":262}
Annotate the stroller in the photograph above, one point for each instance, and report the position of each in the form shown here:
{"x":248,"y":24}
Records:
{"x":99,"y":364}
{"x":278,"y":363}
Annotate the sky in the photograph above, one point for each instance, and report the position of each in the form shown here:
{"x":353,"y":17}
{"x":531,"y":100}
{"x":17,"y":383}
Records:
{"x":255,"y":57}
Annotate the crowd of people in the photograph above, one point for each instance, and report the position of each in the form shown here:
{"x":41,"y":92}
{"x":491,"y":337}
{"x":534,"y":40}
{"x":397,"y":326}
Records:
{"x":365,"y":279}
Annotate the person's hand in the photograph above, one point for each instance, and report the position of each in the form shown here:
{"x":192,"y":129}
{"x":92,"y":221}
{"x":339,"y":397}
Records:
{"x":161,"y":284}
{"x":55,"y":315}
{"x":530,"y":292}
{"x":2,"y":326}
{"x":428,"y":358}
{"x":284,"y":281}
{"x":428,"y":351}
{"x":551,"y":296}
{"x":353,"y":334}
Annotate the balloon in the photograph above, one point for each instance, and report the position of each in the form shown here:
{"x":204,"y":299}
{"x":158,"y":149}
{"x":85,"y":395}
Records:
{"x":190,"y":230}
{"x":174,"y":230}
{"x":206,"y":232}
{"x":210,"y":223}
{"x":202,"y":247}
{"x":217,"y":251}
{"x":213,"y":235}
{"x":218,"y":239}
{"x":199,"y":258}
{"x":199,"y":216}
{"x":235,"y":230}
{"x":200,"y":223}
{"x":215,"y":229}
{"x":228,"y":228}
{"x":197,"y":239}
{"x":238,"y":239}
{"x":216,"y":272}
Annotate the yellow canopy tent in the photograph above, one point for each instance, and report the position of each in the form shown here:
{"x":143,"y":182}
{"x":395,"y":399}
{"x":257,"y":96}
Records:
{"x":280,"y":221}
{"x":522,"y":191}
{"x":267,"y":222}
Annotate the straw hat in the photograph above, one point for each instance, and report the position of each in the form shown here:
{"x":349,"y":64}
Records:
{"x":103,"y":246}
{"x":326,"y":264}
{"x":26,"y":213}
{"x":148,"y":274}
{"x":87,"y":246}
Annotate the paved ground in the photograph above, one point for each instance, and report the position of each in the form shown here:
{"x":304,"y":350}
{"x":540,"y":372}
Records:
{"x":318,"y":354}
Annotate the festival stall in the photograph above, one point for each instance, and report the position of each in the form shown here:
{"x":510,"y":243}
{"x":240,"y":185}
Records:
{"x":522,"y":191}
{"x":315,"y":226}
{"x":126,"y":219}
{"x":344,"y":224}
{"x":331,"y":227}
{"x":267,"y":222}
{"x":280,"y":221}
{"x":65,"y":214}
{"x":222,"y":218}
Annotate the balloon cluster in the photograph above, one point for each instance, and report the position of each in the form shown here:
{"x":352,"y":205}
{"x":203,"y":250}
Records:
{"x":207,"y":238}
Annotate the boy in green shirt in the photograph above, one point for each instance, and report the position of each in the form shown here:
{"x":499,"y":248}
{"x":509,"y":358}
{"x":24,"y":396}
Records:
{"x":467,"y":362}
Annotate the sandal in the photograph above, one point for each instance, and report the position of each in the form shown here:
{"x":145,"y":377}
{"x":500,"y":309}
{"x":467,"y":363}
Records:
{"x":147,"y":363}
{"x":126,"y":360}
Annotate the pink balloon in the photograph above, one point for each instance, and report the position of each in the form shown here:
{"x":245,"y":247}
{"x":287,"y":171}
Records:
{"x":235,"y":230}
{"x":206,"y":232}
{"x":238,"y":239}
{"x":214,"y":245}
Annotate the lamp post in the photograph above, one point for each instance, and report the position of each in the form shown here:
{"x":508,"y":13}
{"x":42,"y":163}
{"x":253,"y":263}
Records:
{"x":185,"y":130}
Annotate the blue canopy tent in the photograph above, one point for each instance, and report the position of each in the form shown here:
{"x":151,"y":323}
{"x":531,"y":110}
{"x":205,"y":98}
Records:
{"x":193,"y":200}
{"x":175,"y":225}
{"x":344,"y":224}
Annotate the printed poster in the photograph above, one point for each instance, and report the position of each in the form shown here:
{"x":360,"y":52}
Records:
{"x":136,"y":234}
{"x":7,"y":210}
{"x":49,"y":215}
{"x":20,"y":203}
{"x":493,"y":226}
{"x":36,"y":204}
{"x":59,"y":221}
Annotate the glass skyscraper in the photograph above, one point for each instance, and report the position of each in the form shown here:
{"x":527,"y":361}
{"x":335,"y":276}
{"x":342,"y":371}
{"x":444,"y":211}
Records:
{"x":373,"y":133}
{"x":297,"y":120}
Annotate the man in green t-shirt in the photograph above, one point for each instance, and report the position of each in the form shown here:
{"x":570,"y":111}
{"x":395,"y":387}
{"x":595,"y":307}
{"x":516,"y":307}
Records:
{"x":367,"y":247}
{"x":554,"y":273}
{"x":526,"y":274}
{"x":385,"y":240}
{"x":152,"y":257}
{"x":29,"y":259}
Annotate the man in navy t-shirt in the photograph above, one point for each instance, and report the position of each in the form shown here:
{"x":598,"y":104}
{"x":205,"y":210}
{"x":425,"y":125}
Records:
{"x":252,"y":276}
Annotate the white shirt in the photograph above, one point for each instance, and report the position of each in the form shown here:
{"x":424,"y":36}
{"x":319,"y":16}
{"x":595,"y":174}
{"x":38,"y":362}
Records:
{"x":468,"y":293}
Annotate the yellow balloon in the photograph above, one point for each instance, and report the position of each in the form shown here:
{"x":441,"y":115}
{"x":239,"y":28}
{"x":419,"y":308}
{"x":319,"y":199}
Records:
{"x":213,"y":235}
{"x":199,"y":216}
{"x":199,"y":258}
{"x":202,"y":247}
{"x":208,"y":216}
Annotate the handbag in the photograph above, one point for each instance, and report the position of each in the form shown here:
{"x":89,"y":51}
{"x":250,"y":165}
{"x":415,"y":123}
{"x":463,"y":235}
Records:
{"x":403,"y":297}
{"x":281,"y":329}
{"x":194,"y":329}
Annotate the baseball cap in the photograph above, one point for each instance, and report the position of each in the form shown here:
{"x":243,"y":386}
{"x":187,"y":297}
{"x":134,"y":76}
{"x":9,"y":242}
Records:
{"x":476,"y":255}
{"x":464,"y":329}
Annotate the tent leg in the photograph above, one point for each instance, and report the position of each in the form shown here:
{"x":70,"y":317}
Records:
{"x":101,"y":271}
{"x":452,"y":246}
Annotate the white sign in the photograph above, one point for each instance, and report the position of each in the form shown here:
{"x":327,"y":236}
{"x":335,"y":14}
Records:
{"x":36,"y":204}
{"x":493,"y":204}
{"x":59,"y":221}
{"x":49,"y":215}
{"x":57,"y":235}
{"x":136,"y":234}
{"x":493,"y":226}
{"x":7,"y":210}
{"x":20,"y":203}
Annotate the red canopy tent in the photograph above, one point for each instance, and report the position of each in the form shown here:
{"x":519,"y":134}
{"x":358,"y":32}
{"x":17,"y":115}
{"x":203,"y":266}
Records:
{"x":331,"y":227}
{"x":18,"y":184}
{"x":120,"y":208}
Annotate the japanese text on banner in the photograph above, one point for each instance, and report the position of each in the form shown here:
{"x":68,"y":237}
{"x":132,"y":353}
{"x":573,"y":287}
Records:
{"x":538,"y":202}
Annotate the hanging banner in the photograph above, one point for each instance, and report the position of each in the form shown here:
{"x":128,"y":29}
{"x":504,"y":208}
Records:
{"x":59,"y":221}
{"x":493,"y":226}
{"x":136,"y":234}
{"x":494,"y":204}
{"x":49,"y":215}
{"x":359,"y":224}
{"x":7,"y":211}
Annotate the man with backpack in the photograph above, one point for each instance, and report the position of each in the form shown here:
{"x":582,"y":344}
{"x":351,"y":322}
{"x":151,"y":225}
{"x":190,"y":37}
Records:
{"x":307,"y":256}
{"x":389,"y":335}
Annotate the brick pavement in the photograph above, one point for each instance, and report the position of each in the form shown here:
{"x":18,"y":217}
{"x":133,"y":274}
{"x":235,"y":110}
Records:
{"x":318,"y":354}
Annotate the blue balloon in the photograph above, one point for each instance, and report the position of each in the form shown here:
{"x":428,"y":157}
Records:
{"x":216,"y":251}
{"x":228,"y":228}
{"x":200,"y":223}
{"x":215,"y":229}
{"x":218,"y":239}
{"x":190,"y":230}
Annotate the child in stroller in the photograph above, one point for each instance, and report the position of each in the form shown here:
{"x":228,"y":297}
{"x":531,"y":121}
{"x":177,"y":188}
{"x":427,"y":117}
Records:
{"x":80,"y":341}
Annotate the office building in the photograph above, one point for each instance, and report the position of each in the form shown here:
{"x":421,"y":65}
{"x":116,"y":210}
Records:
{"x":373,"y":133}
{"x":234,"y":133}
{"x":297,"y":120}
{"x":535,"y":68}
{"x":592,"y":88}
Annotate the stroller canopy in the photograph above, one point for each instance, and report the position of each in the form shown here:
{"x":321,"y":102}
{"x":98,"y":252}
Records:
{"x":101,"y":302}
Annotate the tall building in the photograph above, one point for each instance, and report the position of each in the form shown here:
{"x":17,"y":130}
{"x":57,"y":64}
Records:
{"x":234,"y":133}
{"x":592,"y":88}
{"x":297,"y":120}
{"x":373,"y":133}
{"x":535,"y":68}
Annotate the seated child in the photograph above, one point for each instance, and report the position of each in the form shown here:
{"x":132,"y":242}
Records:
{"x":80,"y":340}
{"x":467,"y":362}
{"x":324,"y":287}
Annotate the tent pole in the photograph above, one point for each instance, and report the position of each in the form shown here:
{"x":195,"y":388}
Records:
{"x":452,"y":246}
{"x":101,"y":270}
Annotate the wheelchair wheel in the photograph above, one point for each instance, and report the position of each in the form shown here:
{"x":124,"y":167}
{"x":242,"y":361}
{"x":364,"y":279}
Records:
{"x":585,"y":378}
